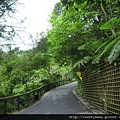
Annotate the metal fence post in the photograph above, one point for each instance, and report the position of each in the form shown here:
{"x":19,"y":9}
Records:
{"x":28,"y":99}
{"x":38,"y":94}
{"x":34,"y":95}
{"x":18,"y":102}
{"x":5,"y":106}
{"x":40,"y":91}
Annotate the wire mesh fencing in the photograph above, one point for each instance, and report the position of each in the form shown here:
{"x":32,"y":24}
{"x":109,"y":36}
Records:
{"x":101,"y":86}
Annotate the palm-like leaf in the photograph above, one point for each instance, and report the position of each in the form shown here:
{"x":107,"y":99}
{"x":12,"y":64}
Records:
{"x":105,"y":49}
{"x":115,"y":52}
{"x":82,"y":62}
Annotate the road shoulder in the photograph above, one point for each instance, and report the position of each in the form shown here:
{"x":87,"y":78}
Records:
{"x":93,"y":108}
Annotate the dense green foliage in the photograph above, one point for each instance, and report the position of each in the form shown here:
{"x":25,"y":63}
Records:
{"x":86,"y":32}
{"x":23,"y":71}
{"x":83,"y":33}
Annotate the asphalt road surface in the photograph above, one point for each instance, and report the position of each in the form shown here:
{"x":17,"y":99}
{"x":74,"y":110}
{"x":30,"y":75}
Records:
{"x":60,"y":100}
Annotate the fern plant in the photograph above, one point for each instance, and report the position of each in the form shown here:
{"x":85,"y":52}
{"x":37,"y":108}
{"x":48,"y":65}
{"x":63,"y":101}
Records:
{"x":113,"y":23}
{"x":114,"y":53}
{"x":105,"y":49}
{"x":82,"y":62}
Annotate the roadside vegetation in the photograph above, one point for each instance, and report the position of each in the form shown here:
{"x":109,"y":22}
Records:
{"x":83,"y":33}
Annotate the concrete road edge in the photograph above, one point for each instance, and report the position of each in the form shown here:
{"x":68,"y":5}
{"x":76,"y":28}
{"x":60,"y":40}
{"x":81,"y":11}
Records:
{"x":94,"y":109}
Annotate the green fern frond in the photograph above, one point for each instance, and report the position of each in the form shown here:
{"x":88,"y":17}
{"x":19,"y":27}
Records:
{"x":105,"y":49}
{"x":114,"y":53}
{"x":82,"y":47}
{"x":109,"y":46}
{"x":101,"y":47}
{"x":113,"y":23}
{"x":82,"y":62}
{"x":96,"y":59}
{"x":90,"y":46}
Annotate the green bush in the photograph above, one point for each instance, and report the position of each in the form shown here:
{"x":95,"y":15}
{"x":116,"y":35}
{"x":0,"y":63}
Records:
{"x":79,"y":87}
{"x":19,"y":89}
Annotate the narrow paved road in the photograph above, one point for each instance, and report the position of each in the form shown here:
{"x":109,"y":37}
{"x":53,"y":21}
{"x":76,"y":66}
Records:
{"x":60,"y":100}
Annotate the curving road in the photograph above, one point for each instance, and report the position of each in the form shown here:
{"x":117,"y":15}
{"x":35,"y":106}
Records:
{"x":60,"y":100}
